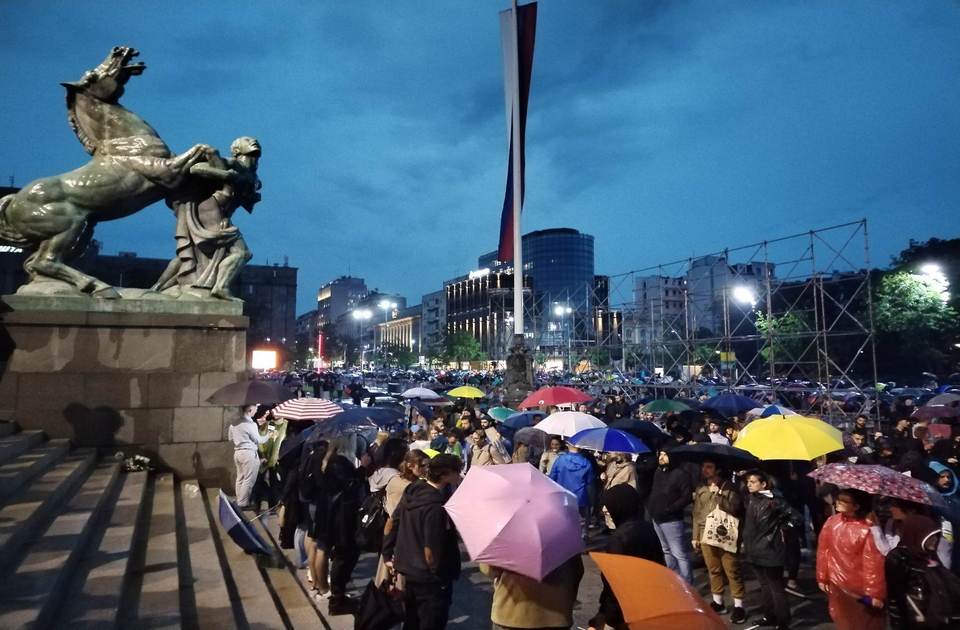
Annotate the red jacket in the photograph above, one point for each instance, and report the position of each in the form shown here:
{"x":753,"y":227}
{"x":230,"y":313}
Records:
{"x":848,"y":559}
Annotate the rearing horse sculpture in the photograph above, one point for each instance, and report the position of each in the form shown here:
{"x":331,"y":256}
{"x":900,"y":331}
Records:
{"x":131,"y":169}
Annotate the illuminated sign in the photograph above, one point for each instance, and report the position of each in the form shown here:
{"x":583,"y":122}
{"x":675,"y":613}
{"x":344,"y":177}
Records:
{"x":264,"y":360}
{"x":479,"y":273}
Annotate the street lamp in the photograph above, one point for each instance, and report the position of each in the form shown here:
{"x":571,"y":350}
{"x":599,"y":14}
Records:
{"x":362,"y":315}
{"x":745,"y":295}
{"x":387,"y":306}
{"x":932,"y":275}
{"x":562,"y":311}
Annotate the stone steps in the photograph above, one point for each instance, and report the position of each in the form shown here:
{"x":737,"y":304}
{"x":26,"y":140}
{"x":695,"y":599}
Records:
{"x":85,"y":545}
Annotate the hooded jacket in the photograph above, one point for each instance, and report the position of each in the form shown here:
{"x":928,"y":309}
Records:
{"x":420,"y":521}
{"x":574,"y":472}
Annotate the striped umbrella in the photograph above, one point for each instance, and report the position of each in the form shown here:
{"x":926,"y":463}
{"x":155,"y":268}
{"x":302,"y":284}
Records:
{"x":307,"y":409}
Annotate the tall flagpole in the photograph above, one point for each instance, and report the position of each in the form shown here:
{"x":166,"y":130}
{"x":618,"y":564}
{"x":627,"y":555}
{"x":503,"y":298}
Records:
{"x":517,"y":194}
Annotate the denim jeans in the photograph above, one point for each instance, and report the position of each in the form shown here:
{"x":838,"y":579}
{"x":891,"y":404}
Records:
{"x":675,"y":547}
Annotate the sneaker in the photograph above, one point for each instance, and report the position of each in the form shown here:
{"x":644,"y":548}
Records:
{"x":720,"y":609}
{"x":794,"y":590}
{"x":739,"y":615}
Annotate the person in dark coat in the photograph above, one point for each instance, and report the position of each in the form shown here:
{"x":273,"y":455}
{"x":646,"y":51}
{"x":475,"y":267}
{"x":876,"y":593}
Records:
{"x":632,"y":537}
{"x":672,"y":492}
{"x":767,"y":516}
{"x":343,"y":488}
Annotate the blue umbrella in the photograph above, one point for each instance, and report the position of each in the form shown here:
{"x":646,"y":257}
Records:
{"x":523,"y":419}
{"x":380,"y":416}
{"x":731,"y":404}
{"x":608,"y":440}
{"x":777,"y":410}
{"x":239,"y":529}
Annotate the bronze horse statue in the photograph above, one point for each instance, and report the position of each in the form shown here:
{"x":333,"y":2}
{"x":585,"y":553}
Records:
{"x":131,"y":169}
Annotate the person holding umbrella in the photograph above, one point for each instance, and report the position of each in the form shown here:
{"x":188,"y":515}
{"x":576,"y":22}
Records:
{"x":850,"y":568}
{"x":672,"y":492}
{"x":718,"y":501}
{"x":246,"y":438}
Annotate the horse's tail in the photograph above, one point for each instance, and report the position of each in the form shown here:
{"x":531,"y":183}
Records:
{"x":7,"y":233}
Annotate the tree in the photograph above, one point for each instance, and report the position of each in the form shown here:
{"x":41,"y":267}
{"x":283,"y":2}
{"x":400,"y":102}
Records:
{"x":399,"y":355}
{"x":787,"y":336}
{"x":462,"y":346}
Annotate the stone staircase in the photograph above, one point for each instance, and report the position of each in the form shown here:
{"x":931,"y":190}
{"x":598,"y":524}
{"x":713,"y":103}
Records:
{"x":85,"y":545}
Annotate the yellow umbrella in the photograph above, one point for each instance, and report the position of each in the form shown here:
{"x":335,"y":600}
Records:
{"x":466,"y":391}
{"x":789,"y":437}
{"x":429,"y":452}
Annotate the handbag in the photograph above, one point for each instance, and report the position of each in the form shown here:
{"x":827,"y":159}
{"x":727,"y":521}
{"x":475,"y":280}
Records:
{"x":721,"y":529}
{"x":379,"y":609}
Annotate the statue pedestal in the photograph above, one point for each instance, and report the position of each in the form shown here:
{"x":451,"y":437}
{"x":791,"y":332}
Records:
{"x":125,"y":375}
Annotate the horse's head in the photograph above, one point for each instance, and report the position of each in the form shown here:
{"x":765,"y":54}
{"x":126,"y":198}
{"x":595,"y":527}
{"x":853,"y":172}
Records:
{"x":106,"y":81}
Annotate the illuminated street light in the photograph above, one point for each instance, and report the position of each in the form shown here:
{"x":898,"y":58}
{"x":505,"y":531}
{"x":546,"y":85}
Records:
{"x":560,"y":310}
{"x":362,"y":314}
{"x":744,"y":295}
{"x":931,"y":274}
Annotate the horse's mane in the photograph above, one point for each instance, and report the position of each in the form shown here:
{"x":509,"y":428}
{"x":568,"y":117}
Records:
{"x":89,"y":144}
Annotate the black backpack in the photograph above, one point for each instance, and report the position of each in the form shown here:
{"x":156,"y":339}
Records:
{"x":371,"y":519}
{"x":933,"y":598}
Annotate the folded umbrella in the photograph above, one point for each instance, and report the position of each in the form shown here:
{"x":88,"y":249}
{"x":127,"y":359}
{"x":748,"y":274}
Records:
{"x":730,"y":457}
{"x":567,"y":423}
{"x":730,"y":404}
{"x":250,"y":392}
{"x":789,"y":437}
{"x":664,"y":405}
{"x":515,"y":518}
{"x":608,"y":440}
{"x":238,"y":528}
{"x":466,"y":391}
{"x":652,"y":596}
{"x":524,"y":419}
{"x":879,"y":480}
{"x":315,"y":409}
{"x":548,"y":396}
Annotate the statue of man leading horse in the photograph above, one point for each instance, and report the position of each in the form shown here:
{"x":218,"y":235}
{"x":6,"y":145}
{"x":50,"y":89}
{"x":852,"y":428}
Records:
{"x":132,"y":168}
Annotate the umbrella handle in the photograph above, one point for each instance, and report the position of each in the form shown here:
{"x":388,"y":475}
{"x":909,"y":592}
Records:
{"x":269,"y":510}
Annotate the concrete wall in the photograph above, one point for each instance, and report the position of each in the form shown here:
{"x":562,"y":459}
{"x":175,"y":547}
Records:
{"x":126,"y":381}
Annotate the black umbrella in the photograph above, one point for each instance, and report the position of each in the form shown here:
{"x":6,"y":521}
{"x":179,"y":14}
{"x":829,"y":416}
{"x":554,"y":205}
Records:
{"x":292,"y":446}
{"x":643,"y":429}
{"x":730,"y":457}
{"x":250,"y":393}
{"x":532,"y":437}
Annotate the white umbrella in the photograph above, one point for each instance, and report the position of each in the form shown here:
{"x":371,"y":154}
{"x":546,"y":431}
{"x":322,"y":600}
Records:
{"x":307,"y":409}
{"x":567,"y":423}
{"x":422,"y":393}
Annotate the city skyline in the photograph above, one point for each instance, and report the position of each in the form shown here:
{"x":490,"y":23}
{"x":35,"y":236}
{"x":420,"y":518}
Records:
{"x":665,"y":130}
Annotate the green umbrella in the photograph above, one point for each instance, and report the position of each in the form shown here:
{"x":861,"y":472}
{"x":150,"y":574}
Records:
{"x":500,"y":413}
{"x":664,"y":406}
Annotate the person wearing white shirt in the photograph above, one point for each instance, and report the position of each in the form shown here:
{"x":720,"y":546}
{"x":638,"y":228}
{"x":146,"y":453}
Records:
{"x":246,"y":438}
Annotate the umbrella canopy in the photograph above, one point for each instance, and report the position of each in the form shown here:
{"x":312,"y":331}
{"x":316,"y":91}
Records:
{"x":554,"y":396}
{"x":250,"y":393}
{"x":608,"y":440}
{"x":384,"y":417}
{"x":730,"y":457}
{"x":932,"y":412}
{"x":315,"y":409}
{"x":652,"y":596}
{"x":429,"y":452}
{"x":239,"y":529}
{"x":568,"y":423}
{"x":791,"y":437}
{"x":944,"y":399}
{"x":292,"y":446}
{"x":664,"y":405}
{"x":531,"y":437}
{"x":422,"y":393}
{"x":516,"y":518}
{"x":730,"y":404}
{"x":466,"y":391}
{"x":647,"y":431}
{"x":693,"y":403}
{"x":524,"y":419}
{"x":500,"y":413}
{"x":777,"y":410}
{"x":879,"y":480}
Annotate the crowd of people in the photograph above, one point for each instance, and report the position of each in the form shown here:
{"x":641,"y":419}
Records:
{"x":877,"y":559}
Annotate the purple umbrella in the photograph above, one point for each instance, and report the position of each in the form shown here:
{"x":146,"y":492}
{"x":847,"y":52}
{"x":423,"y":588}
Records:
{"x":515,"y":518}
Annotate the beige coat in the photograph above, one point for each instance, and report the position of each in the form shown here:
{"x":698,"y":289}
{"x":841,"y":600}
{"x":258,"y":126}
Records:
{"x":620,"y":472}
{"x":522,"y":602}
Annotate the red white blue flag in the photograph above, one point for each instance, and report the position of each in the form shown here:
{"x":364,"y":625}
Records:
{"x":517,"y":69}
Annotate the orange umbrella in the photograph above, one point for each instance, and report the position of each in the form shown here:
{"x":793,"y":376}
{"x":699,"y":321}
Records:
{"x":653,"y":597}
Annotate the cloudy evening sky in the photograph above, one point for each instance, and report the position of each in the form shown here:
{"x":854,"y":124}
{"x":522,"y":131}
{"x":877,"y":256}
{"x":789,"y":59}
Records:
{"x":665,"y":129}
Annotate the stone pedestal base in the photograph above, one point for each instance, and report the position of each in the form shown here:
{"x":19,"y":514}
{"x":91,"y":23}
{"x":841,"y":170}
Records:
{"x":125,"y":375}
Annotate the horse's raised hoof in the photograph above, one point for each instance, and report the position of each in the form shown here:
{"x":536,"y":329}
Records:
{"x":106,"y":293}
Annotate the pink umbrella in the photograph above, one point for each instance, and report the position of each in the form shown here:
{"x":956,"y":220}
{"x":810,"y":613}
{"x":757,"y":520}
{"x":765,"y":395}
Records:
{"x":513,"y":517}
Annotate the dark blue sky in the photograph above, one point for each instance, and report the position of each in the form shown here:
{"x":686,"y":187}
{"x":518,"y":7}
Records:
{"x":664,"y":129}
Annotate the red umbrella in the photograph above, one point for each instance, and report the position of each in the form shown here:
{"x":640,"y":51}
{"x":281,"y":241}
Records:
{"x":554,"y":396}
{"x":878,"y":480}
{"x":936,"y":411}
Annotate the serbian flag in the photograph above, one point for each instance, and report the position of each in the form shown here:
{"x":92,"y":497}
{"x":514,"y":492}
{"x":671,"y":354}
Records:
{"x":517,"y":68}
